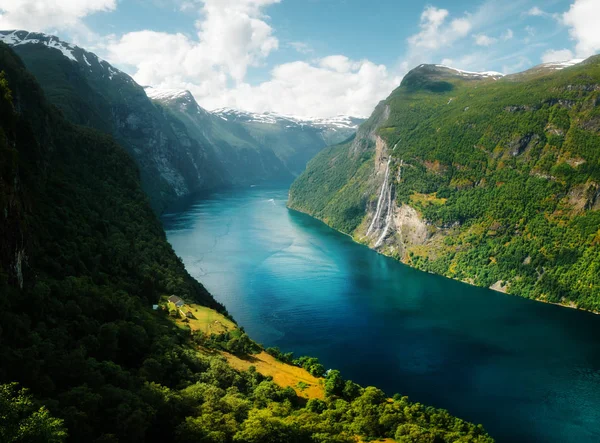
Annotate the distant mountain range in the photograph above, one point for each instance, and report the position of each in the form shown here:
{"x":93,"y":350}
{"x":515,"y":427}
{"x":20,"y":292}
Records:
{"x":179,"y":147}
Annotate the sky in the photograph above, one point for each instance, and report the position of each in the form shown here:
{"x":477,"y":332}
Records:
{"x":315,"y":58}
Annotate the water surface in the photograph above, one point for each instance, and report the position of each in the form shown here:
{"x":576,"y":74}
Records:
{"x":528,"y":371}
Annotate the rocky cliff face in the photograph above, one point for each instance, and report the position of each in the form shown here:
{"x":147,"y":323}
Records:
{"x":179,"y":147}
{"x":487,"y":179}
{"x":274,"y":145}
{"x":93,"y":93}
{"x":230,"y":153}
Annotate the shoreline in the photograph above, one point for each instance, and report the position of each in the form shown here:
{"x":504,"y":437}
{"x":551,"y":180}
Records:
{"x":576,"y":308}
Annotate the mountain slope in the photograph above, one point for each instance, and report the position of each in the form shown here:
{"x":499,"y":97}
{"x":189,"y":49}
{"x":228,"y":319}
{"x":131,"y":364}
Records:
{"x":232,"y":153}
{"x":239,"y":136}
{"x":179,"y":149}
{"x":91,"y":92}
{"x":490,"y":180}
{"x":82,"y":260}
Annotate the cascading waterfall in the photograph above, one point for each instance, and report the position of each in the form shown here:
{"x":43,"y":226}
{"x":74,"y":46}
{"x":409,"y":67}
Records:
{"x":382,"y":197}
{"x":384,"y":206}
{"x":388,"y":217}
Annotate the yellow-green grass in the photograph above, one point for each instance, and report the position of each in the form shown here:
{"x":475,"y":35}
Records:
{"x":204,"y":319}
{"x":427,"y":199}
{"x":379,"y":440}
{"x":283,"y":374}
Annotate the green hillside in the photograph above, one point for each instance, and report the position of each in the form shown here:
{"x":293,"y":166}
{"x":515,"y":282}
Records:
{"x":82,"y":261}
{"x":494,"y":181}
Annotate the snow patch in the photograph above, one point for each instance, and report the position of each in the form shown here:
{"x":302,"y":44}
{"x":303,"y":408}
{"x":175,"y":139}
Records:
{"x":289,"y":121}
{"x":165,"y":94}
{"x":557,"y":66}
{"x":485,"y":74}
{"x":18,"y":38}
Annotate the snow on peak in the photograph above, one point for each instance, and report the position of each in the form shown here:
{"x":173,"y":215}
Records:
{"x":290,"y":121}
{"x":17,"y":38}
{"x":484,"y":74}
{"x":557,"y":66}
{"x":166,"y":94}
{"x":182,"y":97}
{"x":74,"y":53}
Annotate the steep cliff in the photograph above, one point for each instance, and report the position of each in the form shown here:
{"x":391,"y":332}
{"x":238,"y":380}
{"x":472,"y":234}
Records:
{"x":488,"y":179}
{"x":230,"y":152}
{"x":179,"y":147}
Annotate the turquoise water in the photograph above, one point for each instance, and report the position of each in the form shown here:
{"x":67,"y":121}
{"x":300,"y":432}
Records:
{"x":528,"y":371}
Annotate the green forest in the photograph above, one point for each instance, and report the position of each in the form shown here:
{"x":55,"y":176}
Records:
{"x":83,"y":357}
{"x":505,"y":172}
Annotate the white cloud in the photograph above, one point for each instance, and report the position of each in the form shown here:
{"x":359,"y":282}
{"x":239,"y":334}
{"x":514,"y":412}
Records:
{"x":472,"y":62}
{"x":234,"y":35}
{"x":435,"y":32}
{"x":582,"y":18}
{"x":330,"y":86}
{"x":559,"y":55}
{"x":441,"y":35}
{"x":45,"y":15}
{"x":536,"y":12}
{"x":484,"y":40}
{"x":301,"y":47}
{"x":508,"y":35}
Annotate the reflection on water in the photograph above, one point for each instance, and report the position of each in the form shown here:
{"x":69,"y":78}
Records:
{"x":527,"y":371}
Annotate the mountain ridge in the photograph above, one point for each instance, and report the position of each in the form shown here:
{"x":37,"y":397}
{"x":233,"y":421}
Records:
{"x":176,"y":156}
{"x":494,"y":182}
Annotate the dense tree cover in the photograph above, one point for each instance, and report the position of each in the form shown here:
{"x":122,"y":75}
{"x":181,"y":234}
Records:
{"x":506,"y":172}
{"x":82,"y":260}
{"x":21,"y":420}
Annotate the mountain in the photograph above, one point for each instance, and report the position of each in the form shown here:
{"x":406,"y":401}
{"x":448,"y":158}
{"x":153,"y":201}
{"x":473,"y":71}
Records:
{"x":332,"y":130}
{"x":294,"y":141}
{"x":236,"y":156}
{"x":489,"y":179}
{"x":91,"y":92}
{"x":179,"y":149}
{"x":84,"y":354}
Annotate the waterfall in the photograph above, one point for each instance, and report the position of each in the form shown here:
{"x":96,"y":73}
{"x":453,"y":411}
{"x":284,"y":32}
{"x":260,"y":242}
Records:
{"x":384,"y":188}
{"x":388,"y":218}
{"x":384,"y":206}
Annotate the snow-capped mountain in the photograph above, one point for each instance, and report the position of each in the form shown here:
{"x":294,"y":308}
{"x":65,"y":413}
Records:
{"x":293,"y":140}
{"x":557,"y":66}
{"x":483,"y":74}
{"x":331,"y":130}
{"x":87,"y":60}
{"x":180,"y":147}
{"x":338,"y":122}
{"x":176,"y":97}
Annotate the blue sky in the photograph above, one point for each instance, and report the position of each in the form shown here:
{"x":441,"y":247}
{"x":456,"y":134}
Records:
{"x":310,"y":57}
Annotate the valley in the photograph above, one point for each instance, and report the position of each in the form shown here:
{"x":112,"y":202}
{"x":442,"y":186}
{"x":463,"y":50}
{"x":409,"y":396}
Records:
{"x":204,"y":238}
{"x":293,"y":282}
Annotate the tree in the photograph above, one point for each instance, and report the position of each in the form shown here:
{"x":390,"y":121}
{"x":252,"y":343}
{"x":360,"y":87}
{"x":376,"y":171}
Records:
{"x":334,"y":383}
{"x":21,"y":420}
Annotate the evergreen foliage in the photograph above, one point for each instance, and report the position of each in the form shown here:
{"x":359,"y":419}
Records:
{"x":506,"y":172}
{"x":82,"y":260}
